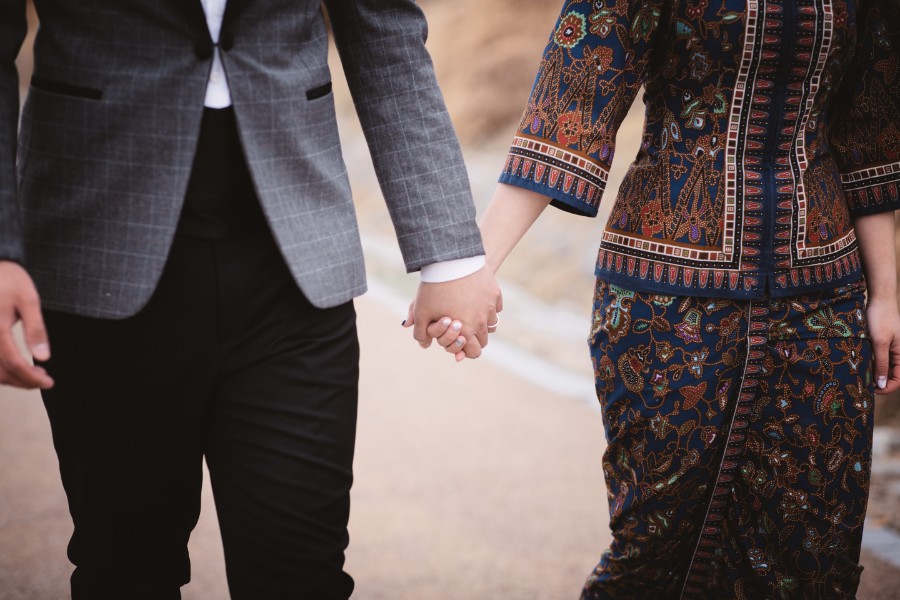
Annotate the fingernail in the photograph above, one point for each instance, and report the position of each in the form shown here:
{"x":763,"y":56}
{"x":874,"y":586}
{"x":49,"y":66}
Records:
{"x":882,"y":382}
{"x":459,"y":342}
{"x":41,"y":351}
{"x":457,"y":326}
{"x":445,"y":322}
{"x":403,"y":323}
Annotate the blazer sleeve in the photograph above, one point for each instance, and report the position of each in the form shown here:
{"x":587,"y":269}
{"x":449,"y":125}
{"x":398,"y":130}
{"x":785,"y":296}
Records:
{"x":865,"y":124}
{"x":592,"y":69}
{"x":413,"y":145}
{"x":13,"y":27}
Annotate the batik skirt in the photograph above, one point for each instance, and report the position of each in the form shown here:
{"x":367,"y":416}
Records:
{"x":739,"y":444}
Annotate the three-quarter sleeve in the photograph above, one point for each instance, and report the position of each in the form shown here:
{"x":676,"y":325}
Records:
{"x":865,"y":126}
{"x":592,"y":69}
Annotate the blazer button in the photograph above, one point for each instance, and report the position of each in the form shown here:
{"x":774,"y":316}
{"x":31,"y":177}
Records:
{"x":226,"y":41}
{"x":203,"y":50}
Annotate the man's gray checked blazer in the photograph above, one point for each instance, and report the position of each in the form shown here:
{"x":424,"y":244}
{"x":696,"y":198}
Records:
{"x":111,"y":121}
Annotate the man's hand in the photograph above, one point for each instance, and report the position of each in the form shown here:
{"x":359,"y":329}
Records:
{"x":19,"y":301}
{"x":473,"y":301}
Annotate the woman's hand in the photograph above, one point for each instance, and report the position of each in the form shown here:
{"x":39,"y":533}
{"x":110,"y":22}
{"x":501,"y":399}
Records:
{"x":884,"y":329}
{"x":510,"y":214}
{"x":446,"y":332}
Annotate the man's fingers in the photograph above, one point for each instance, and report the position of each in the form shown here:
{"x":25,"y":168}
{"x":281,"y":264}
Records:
{"x":35,"y":331}
{"x":473,"y":348}
{"x":481,"y":334}
{"x":420,"y":333}
{"x":420,"y":326}
{"x":18,"y":372}
{"x":19,"y":300}
{"x":7,"y":379}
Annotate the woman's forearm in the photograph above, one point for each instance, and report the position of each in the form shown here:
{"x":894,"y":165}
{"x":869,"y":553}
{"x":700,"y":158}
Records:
{"x":511,"y":213}
{"x":876,"y":244}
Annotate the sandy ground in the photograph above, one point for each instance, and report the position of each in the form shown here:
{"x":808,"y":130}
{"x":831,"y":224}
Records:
{"x":471,"y":484}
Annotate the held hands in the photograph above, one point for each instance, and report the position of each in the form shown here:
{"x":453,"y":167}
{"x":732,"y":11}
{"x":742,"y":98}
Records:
{"x":19,"y":301}
{"x":474,"y":301}
{"x":884,"y":329}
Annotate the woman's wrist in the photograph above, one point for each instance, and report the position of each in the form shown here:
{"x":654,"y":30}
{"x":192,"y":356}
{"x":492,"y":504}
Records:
{"x":878,"y":296}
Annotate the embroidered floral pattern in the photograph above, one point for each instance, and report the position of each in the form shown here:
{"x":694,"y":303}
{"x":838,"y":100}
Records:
{"x":768,"y":124}
{"x":571,"y":30}
{"x":739,"y":444}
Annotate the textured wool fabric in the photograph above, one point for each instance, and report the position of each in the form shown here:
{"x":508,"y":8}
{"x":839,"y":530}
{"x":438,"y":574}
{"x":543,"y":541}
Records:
{"x":110,"y":127}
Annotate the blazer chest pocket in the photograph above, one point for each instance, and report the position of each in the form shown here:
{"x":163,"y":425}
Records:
{"x":319,"y":91}
{"x":65,"y":89}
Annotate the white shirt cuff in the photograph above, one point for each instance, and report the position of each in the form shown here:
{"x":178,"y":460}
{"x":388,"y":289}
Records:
{"x":449,"y":270}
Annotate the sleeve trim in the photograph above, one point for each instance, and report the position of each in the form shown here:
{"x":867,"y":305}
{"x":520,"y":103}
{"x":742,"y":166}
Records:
{"x":870,"y":175}
{"x":557,"y":172}
{"x":873,"y":189}
{"x":557,"y":198}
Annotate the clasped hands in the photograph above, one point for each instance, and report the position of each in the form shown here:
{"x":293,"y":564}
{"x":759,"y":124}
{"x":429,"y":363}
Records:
{"x":457,"y":314}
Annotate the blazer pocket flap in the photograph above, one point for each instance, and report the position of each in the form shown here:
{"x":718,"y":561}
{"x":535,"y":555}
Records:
{"x":318,"y":91}
{"x":65,"y":89}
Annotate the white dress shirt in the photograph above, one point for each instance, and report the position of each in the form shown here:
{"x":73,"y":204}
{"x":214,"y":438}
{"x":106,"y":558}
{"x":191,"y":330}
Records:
{"x":219,"y":96}
{"x":217,"y":93}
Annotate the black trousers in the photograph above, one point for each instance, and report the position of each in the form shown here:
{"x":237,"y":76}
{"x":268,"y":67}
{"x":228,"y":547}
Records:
{"x":227,"y":361}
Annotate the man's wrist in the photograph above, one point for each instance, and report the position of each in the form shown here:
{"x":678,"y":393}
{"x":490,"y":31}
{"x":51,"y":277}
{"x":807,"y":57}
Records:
{"x":450,"y":270}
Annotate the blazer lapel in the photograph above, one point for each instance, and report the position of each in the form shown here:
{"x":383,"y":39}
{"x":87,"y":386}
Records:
{"x":233,"y":9}
{"x":192,"y":13}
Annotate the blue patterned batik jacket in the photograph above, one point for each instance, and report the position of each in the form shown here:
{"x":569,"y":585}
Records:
{"x":769,"y":125}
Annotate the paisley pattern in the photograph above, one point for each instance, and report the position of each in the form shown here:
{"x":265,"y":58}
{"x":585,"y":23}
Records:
{"x":769,"y":123}
{"x":739,"y":444}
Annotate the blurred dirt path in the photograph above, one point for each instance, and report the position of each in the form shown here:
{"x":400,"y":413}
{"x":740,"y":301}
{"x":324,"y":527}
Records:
{"x":471,"y":485}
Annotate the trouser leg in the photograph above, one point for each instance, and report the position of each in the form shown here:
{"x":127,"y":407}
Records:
{"x":281,"y":434}
{"x":127,"y":416}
